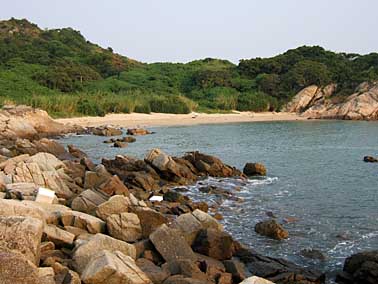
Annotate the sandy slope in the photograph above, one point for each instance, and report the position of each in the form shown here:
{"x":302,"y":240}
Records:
{"x":164,"y":119}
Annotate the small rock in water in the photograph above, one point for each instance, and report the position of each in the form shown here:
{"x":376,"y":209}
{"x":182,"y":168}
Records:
{"x":270,"y":214}
{"x":254,"y":169}
{"x":271,"y":229}
{"x":313,"y":254}
{"x":290,"y":219}
{"x":370,"y":159}
{"x":218,"y":216}
{"x":119,"y":144}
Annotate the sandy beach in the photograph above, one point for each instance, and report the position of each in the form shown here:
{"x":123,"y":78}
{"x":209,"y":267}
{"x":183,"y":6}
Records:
{"x":164,"y":119}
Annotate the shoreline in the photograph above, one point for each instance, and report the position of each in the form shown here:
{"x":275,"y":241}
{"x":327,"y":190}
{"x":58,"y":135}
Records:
{"x":167,"y":119}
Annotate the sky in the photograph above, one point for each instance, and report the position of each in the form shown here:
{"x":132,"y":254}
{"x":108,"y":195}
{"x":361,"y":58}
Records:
{"x":185,"y":30}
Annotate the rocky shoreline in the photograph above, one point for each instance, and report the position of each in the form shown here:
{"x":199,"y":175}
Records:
{"x":122,"y":221}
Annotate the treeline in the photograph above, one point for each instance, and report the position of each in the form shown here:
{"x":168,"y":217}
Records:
{"x":60,"y":71}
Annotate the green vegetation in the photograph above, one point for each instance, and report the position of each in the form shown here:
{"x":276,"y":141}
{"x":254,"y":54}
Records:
{"x":60,"y":71}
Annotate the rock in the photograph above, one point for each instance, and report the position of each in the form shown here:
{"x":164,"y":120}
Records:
{"x":86,"y":250}
{"x":124,"y":226}
{"x":313,"y":254}
{"x":362,"y":105}
{"x":115,"y":205}
{"x":180,"y":279}
{"x":209,"y":165}
{"x":58,"y":236}
{"x":360,"y":268}
{"x":129,"y":139}
{"x":206,"y":220}
{"x":46,"y":275}
{"x":189,"y":226}
{"x":76,"y":152}
{"x":302,"y":100}
{"x":186,"y":268}
{"x":214,"y":243}
{"x":277,"y":270}
{"x":153,"y":272}
{"x":88,"y":201}
{"x":254,"y":169}
{"x":16,"y":269}
{"x":237,"y":269}
{"x":51,"y":213}
{"x":106,"y":131}
{"x":21,"y":191}
{"x":150,"y":220}
{"x":271,"y":229}
{"x":21,"y":235}
{"x":256,"y":280}
{"x":63,"y":275}
{"x":171,"y":244}
{"x":113,"y":267}
{"x":370,"y":159}
{"x":120,"y":144}
{"x":114,"y":186}
{"x":138,"y":131}
{"x":83,"y":221}
{"x":94,"y":180}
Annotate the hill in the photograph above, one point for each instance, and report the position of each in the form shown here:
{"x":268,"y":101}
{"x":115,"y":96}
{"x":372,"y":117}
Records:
{"x":60,"y":71}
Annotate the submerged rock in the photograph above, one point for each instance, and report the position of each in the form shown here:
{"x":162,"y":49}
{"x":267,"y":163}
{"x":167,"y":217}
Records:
{"x":370,"y":159}
{"x":254,"y":169}
{"x":138,"y":131}
{"x":313,"y":254}
{"x":271,"y":229}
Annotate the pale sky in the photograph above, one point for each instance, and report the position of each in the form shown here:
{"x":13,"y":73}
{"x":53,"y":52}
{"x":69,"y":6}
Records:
{"x":185,"y":30}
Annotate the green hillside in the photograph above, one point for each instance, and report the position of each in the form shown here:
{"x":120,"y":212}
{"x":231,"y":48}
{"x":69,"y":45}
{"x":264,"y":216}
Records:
{"x":60,"y":71}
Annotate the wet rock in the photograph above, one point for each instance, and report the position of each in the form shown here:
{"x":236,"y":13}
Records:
{"x":271,"y":229}
{"x":171,"y":244}
{"x":106,"y":131}
{"x":86,"y":250}
{"x":153,"y":272}
{"x":21,"y":235}
{"x":83,"y":221}
{"x":15,"y":268}
{"x":360,"y":268}
{"x":124,"y":226}
{"x":113,"y":267}
{"x":313,"y":254}
{"x":370,"y":159}
{"x":138,"y":131}
{"x":214,"y":243}
{"x":254,"y":169}
{"x":115,"y":205}
{"x":120,"y":144}
{"x":173,"y":196}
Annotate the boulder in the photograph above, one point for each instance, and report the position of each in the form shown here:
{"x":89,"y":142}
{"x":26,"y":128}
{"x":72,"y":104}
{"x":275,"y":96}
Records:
{"x":370,"y":159}
{"x":106,"y":131}
{"x":150,"y":220}
{"x":206,"y":220}
{"x":114,"y":186}
{"x":302,"y":100}
{"x":237,"y":269}
{"x":83,"y":221}
{"x":171,"y":244}
{"x":95,"y":179}
{"x":21,"y":235}
{"x":181,"y":279}
{"x":113,"y":267}
{"x":120,"y":144}
{"x":21,"y":191}
{"x":115,"y":205}
{"x":76,"y":152}
{"x":256,"y":280}
{"x":189,"y":226}
{"x":153,"y":272}
{"x":129,"y":139}
{"x":214,"y":243}
{"x":254,"y":169}
{"x":360,"y":268}
{"x":271,"y":229}
{"x":88,"y":201}
{"x":313,"y":254}
{"x":186,"y":268}
{"x":124,"y":226}
{"x":16,"y":269}
{"x":138,"y":131}
{"x":86,"y":250}
{"x":58,"y":236}
{"x":46,"y":275}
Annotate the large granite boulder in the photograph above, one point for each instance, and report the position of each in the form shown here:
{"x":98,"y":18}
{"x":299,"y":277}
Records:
{"x":150,"y":220}
{"x":113,"y":267}
{"x":115,"y":205}
{"x":83,"y":221}
{"x":88,"y":201}
{"x":153,"y":272}
{"x":124,"y":226}
{"x":171,"y":244}
{"x":16,"y":269}
{"x":21,"y":235}
{"x":86,"y":250}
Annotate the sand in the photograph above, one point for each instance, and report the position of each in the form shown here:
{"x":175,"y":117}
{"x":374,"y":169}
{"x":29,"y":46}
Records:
{"x":164,"y":119}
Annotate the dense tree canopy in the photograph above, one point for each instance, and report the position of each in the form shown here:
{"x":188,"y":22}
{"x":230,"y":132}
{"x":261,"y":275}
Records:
{"x":61,"y":71}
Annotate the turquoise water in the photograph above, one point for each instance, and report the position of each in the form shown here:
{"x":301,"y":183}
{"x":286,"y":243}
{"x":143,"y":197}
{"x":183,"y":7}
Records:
{"x":315,"y":174}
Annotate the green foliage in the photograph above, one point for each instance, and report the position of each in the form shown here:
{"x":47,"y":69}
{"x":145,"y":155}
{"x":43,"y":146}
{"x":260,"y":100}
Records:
{"x":60,"y":71}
